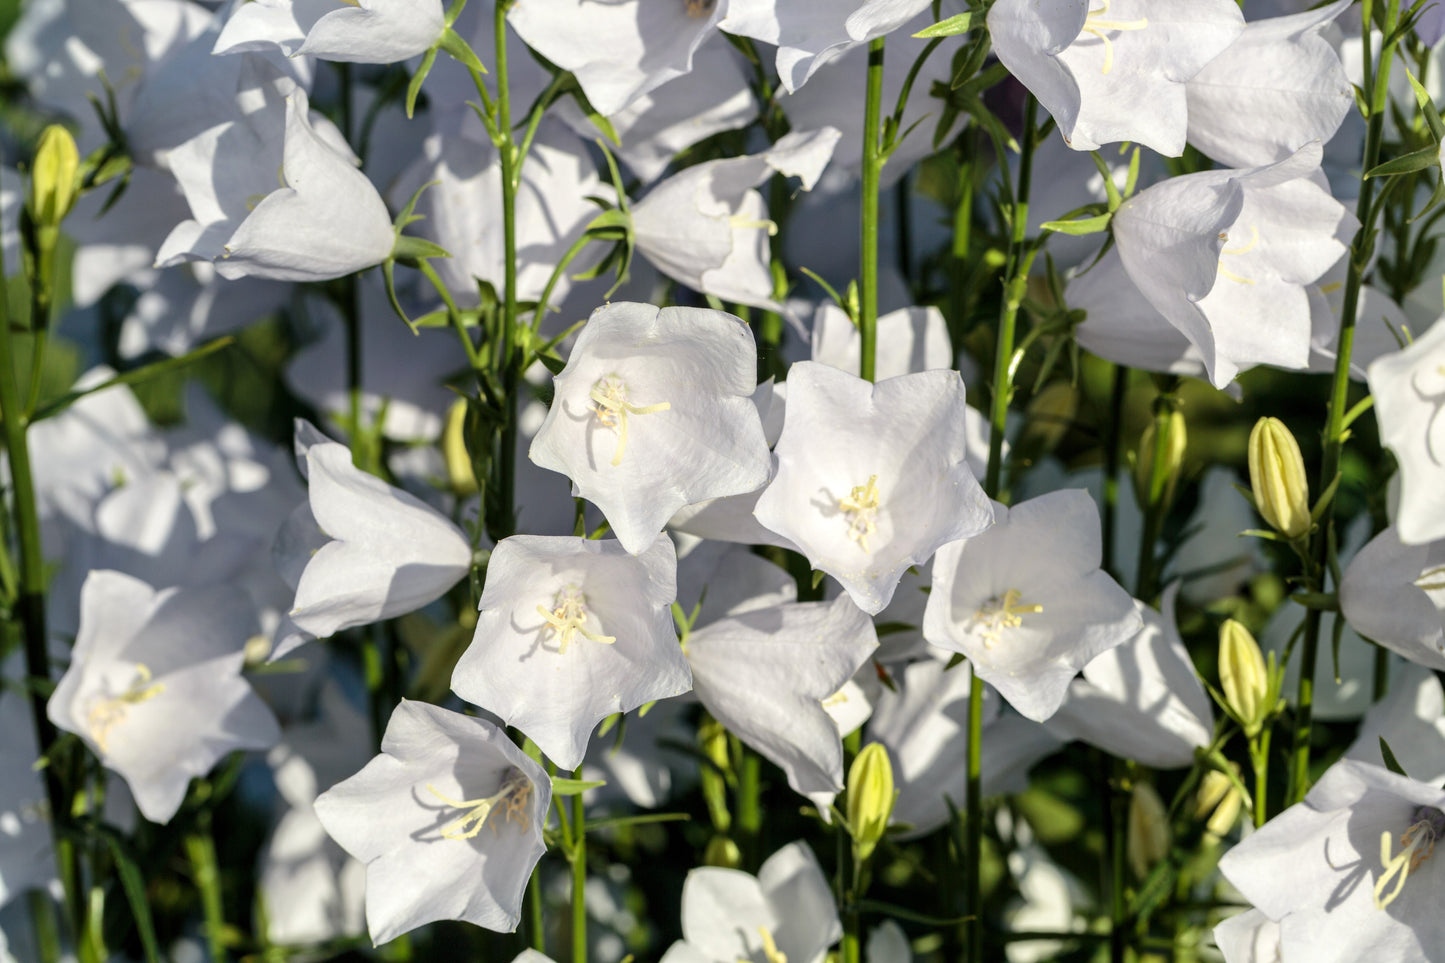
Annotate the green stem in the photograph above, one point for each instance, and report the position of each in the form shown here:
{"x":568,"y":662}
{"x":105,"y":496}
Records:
{"x":1113,"y":455}
{"x":536,"y":934}
{"x":579,"y":878}
{"x":750,"y":813}
{"x":1020,"y":259}
{"x":205,"y":871}
{"x":872,"y":167}
{"x":1259,"y":756}
{"x":503,"y":521}
{"x":47,"y":932}
{"x":1118,"y":853}
{"x":1377,"y":84}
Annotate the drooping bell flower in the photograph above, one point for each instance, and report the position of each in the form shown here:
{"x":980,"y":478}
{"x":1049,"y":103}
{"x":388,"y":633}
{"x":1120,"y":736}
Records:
{"x":1409,"y":390}
{"x":359,"y":31}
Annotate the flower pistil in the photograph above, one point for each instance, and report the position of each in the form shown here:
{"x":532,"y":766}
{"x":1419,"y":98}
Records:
{"x":1005,"y":613}
{"x":860,"y":506}
{"x":106,"y":714}
{"x":609,"y":401}
{"x":1094,"y":24}
{"x":1416,"y":845}
{"x":568,"y":616}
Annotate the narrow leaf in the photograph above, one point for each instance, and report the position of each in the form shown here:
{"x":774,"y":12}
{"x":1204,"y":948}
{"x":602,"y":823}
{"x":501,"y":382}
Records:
{"x":951,"y":27}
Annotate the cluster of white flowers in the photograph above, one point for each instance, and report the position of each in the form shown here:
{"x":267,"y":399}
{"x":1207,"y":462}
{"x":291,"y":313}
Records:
{"x":593,"y":546}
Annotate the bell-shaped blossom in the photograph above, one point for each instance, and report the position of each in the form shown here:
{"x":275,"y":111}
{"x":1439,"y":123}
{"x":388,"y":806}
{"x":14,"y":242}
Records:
{"x":1348,"y":874}
{"x":1141,"y":700}
{"x":1249,"y":937}
{"x":707,"y":226}
{"x":923,"y":721}
{"x":1225,"y":256}
{"x":1027,"y":602}
{"x":872,"y":478}
{"x":1409,"y":391}
{"x":571,"y":631}
{"x":360,"y":550}
{"x":654,"y":412}
{"x":1394,"y":594}
{"x":364,"y":31}
{"x":812,"y":33}
{"x":154,"y":687}
{"x":1117,"y":71}
{"x":1277,"y":87}
{"x":766,"y":673}
{"x":1411,"y":720}
{"x":617,"y":50}
{"x":785,"y":912}
{"x":448,"y":820}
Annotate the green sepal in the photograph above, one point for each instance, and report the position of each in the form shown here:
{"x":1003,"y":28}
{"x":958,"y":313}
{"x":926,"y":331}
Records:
{"x":1318,"y":601}
{"x":453,"y":44}
{"x":413,"y":86}
{"x":1391,"y":763}
{"x":410,"y":249}
{"x":1427,"y":107}
{"x":388,"y":277}
{"x":574,"y":787}
{"x":1407,"y":163}
{"x":952,"y":27}
{"x":1086,"y":225}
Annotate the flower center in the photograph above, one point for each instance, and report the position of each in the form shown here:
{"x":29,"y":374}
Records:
{"x":1096,"y":25}
{"x":860,"y":508}
{"x":1416,"y":845}
{"x":998,"y":614}
{"x":511,"y":799}
{"x":568,"y":618}
{"x":609,"y":402}
{"x":1242,"y":249}
{"x":107,"y":713}
{"x":771,"y":953}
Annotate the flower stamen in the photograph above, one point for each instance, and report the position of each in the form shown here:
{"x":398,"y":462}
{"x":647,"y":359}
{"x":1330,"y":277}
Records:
{"x":1096,"y":26}
{"x":511,"y":798}
{"x":1416,"y":845}
{"x":1243,"y":249}
{"x":999,"y":614}
{"x":860,"y":506}
{"x":568,"y":617}
{"x":106,"y":714}
{"x":609,"y":402}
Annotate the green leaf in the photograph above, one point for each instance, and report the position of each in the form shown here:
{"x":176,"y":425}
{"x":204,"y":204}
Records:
{"x":1391,"y":763}
{"x":574,"y":787}
{"x":951,"y":27}
{"x":1086,"y":225}
{"x":638,"y":820}
{"x":134,"y":885}
{"x":1407,"y":163}
{"x":409,"y":250}
{"x":134,"y":376}
{"x":1427,"y":107}
{"x":388,"y":277}
{"x":413,"y":87}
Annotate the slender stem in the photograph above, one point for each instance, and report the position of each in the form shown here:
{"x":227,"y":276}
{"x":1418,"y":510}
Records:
{"x":1259,"y":756}
{"x":205,"y":870}
{"x":1020,"y":259}
{"x":750,"y":813}
{"x":47,"y":932}
{"x":536,"y":933}
{"x":579,"y":879}
{"x":1113,"y":454}
{"x":1118,"y":831}
{"x":1377,"y":84}
{"x":503,"y":522}
{"x":872,"y":167}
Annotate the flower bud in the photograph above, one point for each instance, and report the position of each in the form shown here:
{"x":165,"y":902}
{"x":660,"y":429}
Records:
{"x":1218,"y":802}
{"x":722,"y":851}
{"x":1176,"y":437}
{"x":53,"y":176}
{"x":1148,"y":838}
{"x":1277,"y":475}
{"x":454,"y":448}
{"x":870,"y":798}
{"x":1243,"y":676}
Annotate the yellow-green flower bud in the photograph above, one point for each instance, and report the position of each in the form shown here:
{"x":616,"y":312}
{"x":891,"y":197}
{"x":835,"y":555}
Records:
{"x":1148,"y":837}
{"x":1243,"y":676}
{"x":1218,"y":802}
{"x":454,"y":447}
{"x":1176,"y":438}
{"x":870,"y":798}
{"x":722,"y":851}
{"x":1277,"y":475}
{"x":53,"y":180}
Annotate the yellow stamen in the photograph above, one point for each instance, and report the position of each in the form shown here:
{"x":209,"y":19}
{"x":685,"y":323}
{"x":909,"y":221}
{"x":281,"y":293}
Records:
{"x":861,"y":508}
{"x":1096,"y":26}
{"x":511,"y":798}
{"x":609,"y":402}
{"x":106,"y":714}
{"x":1416,"y":844}
{"x":739,"y":221}
{"x":998,"y":615}
{"x":568,"y":617}
{"x":1243,"y":249}
{"x":1432,"y":579}
{"x":771,"y":953}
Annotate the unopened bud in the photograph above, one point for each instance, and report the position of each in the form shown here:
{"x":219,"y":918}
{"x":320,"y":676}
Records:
{"x":722,"y":851}
{"x":454,"y":448}
{"x":1218,"y":802}
{"x":1243,"y":676}
{"x":1277,"y":475}
{"x":1176,"y":437}
{"x":870,"y":798}
{"x":53,"y":176}
{"x":1148,"y":839}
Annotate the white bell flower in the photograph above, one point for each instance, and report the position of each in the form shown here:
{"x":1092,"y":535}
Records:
{"x":1411,"y":720}
{"x":1249,"y":937}
{"x":767,"y":674}
{"x":1141,"y":700}
{"x":654,"y":412}
{"x":909,"y":340}
{"x":361,"y":31}
{"x":448,"y":820}
{"x":872,"y":478}
{"x":1279,"y":86}
{"x":786,"y":912}
{"x":1394,"y":594}
{"x":1027,"y":602}
{"x":1348,"y":874}
{"x":154,"y":687}
{"x":1409,"y":391}
{"x":1115,"y":72}
{"x":1225,"y":256}
{"x":380,"y":552}
{"x":571,"y":631}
